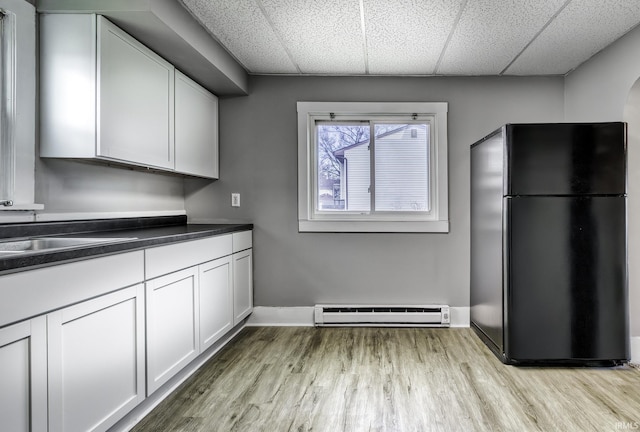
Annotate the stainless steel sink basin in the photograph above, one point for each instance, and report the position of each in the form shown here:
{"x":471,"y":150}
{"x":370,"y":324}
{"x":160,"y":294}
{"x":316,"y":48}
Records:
{"x":50,"y":243}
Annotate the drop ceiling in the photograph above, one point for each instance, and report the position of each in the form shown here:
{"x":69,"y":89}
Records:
{"x":414,"y":37}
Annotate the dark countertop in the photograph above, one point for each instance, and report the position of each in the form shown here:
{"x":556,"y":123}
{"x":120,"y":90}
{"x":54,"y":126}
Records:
{"x":131,"y":234}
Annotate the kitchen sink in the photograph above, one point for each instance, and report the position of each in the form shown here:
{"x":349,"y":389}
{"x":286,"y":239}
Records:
{"x":8,"y":248}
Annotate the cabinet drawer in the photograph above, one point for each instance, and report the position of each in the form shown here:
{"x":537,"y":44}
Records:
{"x":54,"y":287}
{"x":242,"y":240}
{"x":167,"y":259}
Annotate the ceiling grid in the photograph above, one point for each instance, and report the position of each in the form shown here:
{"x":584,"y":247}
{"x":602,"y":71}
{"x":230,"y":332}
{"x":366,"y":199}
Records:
{"x":536,"y":36}
{"x":275,"y":32}
{"x":364,"y":37}
{"x":415,"y":38}
{"x":453,"y":29}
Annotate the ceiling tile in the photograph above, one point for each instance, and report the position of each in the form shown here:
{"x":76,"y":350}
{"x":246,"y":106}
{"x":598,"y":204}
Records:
{"x":323,"y":36}
{"x":490,"y":34}
{"x":582,"y":29}
{"x":241,"y":27}
{"x":407,"y":36}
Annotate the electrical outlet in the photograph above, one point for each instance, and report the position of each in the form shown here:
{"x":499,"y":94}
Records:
{"x":235,"y":200}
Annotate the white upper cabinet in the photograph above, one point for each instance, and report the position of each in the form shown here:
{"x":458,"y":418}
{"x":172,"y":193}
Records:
{"x":196,"y":129}
{"x":105,"y":96}
{"x":135,"y":94}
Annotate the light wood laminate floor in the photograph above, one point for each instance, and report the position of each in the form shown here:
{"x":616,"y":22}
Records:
{"x":375,"y":379}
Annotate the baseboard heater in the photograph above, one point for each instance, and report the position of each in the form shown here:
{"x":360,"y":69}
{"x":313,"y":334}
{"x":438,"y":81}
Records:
{"x":381,"y":316}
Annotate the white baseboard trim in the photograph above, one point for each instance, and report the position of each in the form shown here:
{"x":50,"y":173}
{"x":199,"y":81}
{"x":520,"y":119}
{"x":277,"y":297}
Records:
{"x":635,"y":350}
{"x":302,"y":316}
{"x":268,"y":316}
{"x":461,"y":316}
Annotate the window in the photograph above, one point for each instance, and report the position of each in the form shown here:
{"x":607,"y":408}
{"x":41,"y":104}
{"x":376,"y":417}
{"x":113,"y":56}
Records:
{"x":6,"y":110}
{"x":17,"y":105}
{"x":372,"y":167}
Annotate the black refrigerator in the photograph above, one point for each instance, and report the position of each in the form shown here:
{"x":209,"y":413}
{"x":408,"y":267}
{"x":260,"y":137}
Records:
{"x":548,"y":243}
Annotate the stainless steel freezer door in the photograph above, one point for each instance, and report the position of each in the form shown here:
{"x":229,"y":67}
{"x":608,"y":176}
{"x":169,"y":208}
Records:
{"x":567,"y":295}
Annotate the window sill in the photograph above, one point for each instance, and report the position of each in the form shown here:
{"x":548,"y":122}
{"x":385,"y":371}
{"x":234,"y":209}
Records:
{"x":374,"y":226}
{"x":22,"y":207}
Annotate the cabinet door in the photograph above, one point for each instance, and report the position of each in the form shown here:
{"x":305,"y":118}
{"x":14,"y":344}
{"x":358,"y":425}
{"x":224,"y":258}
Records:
{"x":216,"y":300}
{"x":23,"y":376}
{"x":242,"y":285}
{"x":135,"y":100}
{"x":96,"y":361}
{"x":196,"y":129}
{"x":172,"y":325}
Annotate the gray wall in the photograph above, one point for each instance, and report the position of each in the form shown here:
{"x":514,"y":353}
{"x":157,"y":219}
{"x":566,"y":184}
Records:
{"x":69,"y":187}
{"x":599,"y":88}
{"x":259,"y":154}
{"x":603,"y":89}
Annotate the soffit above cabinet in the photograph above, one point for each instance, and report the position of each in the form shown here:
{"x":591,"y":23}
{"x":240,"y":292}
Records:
{"x":169,"y":30}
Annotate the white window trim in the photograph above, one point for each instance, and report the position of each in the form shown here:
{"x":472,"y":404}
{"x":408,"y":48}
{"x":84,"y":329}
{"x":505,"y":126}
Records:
{"x":23,"y":88}
{"x":308,"y":221}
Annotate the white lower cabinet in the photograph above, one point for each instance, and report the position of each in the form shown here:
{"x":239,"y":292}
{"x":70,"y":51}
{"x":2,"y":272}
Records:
{"x":216,"y":300}
{"x":96,"y":361}
{"x":191,"y":308}
{"x":242,"y":285}
{"x":101,"y":340}
{"x":172,"y":325}
{"x":23,"y":376}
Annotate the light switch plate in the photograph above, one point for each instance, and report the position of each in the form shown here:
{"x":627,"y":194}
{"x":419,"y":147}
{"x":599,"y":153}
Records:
{"x":235,"y":200}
